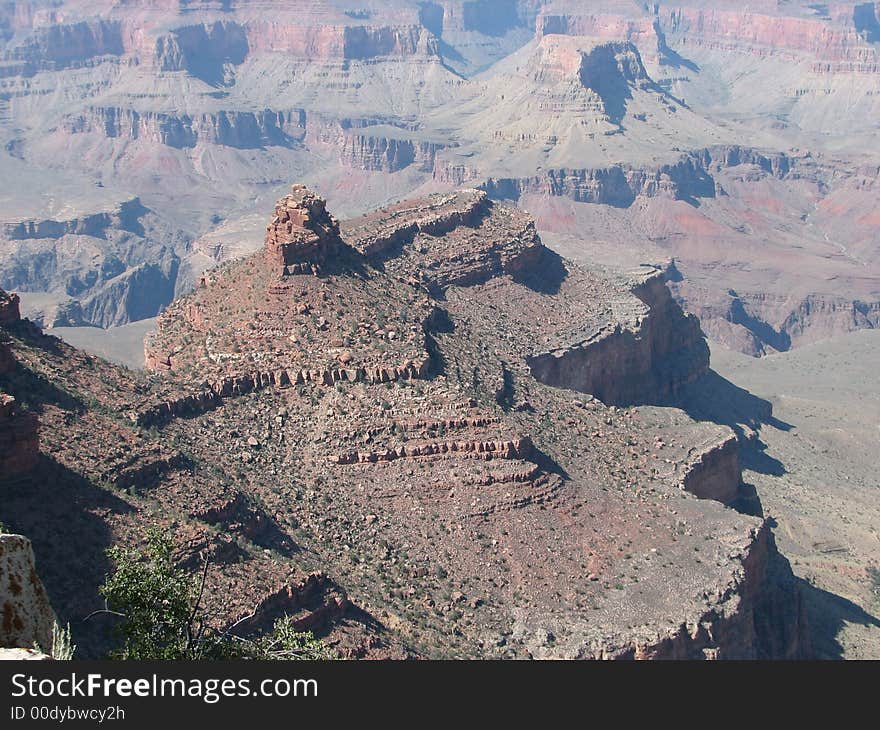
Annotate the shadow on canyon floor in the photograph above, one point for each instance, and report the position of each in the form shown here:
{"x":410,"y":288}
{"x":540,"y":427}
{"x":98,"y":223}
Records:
{"x":715,"y":399}
{"x":65,"y":517}
{"x":827,"y":615}
{"x":546,"y":275}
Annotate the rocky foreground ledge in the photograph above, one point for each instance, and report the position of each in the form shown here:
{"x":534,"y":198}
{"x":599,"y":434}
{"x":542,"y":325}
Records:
{"x":423,"y":434}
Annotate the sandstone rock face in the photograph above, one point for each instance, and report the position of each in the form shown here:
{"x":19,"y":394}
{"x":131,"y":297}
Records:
{"x":302,"y":232}
{"x":27,"y":616}
{"x":646,"y":361}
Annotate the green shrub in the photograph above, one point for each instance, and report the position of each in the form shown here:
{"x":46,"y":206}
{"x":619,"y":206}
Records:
{"x":161,"y":614}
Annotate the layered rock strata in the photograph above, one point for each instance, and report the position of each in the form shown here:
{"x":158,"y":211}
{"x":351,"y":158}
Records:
{"x":647,"y":360}
{"x":468,"y":509}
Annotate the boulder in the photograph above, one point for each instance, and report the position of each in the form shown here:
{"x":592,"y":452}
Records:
{"x":26,"y":616}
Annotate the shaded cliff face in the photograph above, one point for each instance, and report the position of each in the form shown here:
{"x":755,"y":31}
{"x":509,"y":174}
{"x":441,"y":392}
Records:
{"x":19,"y":431}
{"x":644,"y":361}
{"x":19,"y":438}
{"x":378,"y":405}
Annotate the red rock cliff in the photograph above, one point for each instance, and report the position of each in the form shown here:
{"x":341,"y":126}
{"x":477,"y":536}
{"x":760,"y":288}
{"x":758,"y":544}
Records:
{"x":302,"y":232}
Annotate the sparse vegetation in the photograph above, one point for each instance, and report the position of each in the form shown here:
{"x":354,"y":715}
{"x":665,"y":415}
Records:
{"x":63,"y":647}
{"x":161,"y":614}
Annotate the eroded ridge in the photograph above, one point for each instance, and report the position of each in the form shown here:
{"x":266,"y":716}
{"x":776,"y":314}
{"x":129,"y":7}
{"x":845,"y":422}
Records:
{"x":459,"y":238}
{"x":376,"y":417}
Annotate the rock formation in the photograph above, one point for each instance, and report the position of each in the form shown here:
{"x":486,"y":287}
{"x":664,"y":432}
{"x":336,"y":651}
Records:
{"x":302,"y":235}
{"x":474,"y":430}
{"x":19,"y":431}
{"x":646,"y":361}
{"x":27,"y":616}
{"x":311,"y":603}
{"x":9,"y":308}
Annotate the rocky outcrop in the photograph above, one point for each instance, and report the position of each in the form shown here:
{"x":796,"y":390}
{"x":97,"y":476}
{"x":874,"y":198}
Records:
{"x":520,"y":448}
{"x":185,"y":405}
{"x":759,"y":616}
{"x":761,"y":323}
{"x":19,"y":439}
{"x":146,"y":473}
{"x":174,"y":406}
{"x":457,"y":239}
{"x":237,"y":515}
{"x":619,"y":186}
{"x":9,"y":308}
{"x":56,"y":46}
{"x":385,"y":231}
{"x":715,"y":473}
{"x":202,"y":49}
{"x":311,"y":603}
{"x":89,"y":225}
{"x":105,"y":268}
{"x":646,"y":361}
{"x":26,"y":616}
{"x":384,"y":153}
{"x":302,"y":235}
{"x":124,"y":216}
{"x":9,"y":314}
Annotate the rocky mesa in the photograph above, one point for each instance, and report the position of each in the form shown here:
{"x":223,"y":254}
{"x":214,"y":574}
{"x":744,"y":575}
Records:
{"x":359,"y":400}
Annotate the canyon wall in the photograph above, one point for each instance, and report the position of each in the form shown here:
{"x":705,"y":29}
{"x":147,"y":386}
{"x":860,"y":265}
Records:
{"x":760,"y":616}
{"x":620,"y":185}
{"x":715,"y":473}
{"x":838,"y":48}
{"x":643,"y":362}
{"x":238,"y":129}
{"x":379,"y":153}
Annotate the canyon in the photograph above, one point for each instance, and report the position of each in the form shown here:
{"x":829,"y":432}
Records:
{"x":459,"y":507}
{"x":735,"y":144}
{"x":496,"y":340}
